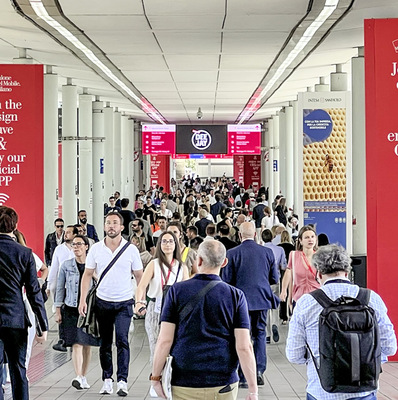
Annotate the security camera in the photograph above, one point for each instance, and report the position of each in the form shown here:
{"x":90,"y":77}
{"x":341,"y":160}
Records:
{"x":199,"y":114}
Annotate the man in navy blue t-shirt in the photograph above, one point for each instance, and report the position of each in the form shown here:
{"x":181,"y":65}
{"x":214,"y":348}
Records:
{"x":209,"y":342}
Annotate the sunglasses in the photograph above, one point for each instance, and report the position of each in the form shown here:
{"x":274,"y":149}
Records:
{"x":59,"y":226}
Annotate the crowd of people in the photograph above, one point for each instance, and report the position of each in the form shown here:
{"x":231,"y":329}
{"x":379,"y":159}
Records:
{"x":162,"y":256}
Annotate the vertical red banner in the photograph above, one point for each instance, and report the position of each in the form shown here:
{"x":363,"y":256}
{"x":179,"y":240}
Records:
{"x":160,"y":171}
{"x":21,"y":148}
{"x":381,"y":85}
{"x":239,"y":168}
{"x":253,"y":171}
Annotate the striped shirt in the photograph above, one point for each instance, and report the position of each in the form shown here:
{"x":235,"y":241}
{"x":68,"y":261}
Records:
{"x":303,"y":329}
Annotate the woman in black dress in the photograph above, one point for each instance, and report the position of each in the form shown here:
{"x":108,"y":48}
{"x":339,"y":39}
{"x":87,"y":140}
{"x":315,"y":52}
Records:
{"x":67,"y":297}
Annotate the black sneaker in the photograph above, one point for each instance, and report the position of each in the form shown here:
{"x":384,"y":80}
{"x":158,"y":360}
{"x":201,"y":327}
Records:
{"x":275,"y":333}
{"x":60,"y":346}
{"x":243,"y":385}
{"x":260,"y":379}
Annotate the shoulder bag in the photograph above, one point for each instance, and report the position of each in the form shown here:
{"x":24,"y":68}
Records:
{"x":184,"y":313}
{"x":89,"y":323}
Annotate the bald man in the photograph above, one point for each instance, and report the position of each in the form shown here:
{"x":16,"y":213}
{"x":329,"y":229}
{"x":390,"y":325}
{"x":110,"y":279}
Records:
{"x":252,"y":268}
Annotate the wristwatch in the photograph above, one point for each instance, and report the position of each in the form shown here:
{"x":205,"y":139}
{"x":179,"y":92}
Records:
{"x":155,"y":378}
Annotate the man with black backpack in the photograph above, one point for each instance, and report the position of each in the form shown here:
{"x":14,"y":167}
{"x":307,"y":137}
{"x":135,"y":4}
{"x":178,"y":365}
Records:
{"x":342,"y":332}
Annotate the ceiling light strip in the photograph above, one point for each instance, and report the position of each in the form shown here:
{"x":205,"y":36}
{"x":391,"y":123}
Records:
{"x":327,"y":11}
{"x":42,"y":13}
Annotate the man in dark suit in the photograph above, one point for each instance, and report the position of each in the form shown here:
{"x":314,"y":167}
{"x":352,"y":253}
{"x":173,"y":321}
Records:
{"x":252,"y":268}
{"x":53,"y":240}
{"x":17,"y":269}
{"x":91,"y":232}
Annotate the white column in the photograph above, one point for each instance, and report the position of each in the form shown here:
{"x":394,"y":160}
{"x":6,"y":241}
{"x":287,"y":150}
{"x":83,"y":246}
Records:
{"x":86,"y":152}
{"x":108,"y":133}
{"x":69,"y":153}
{"x":117,"y":150}
{"x":146,"y":172}
{"x":338,"y":79}
{"x":321,"y":86}
{"x":50,"y":149}
{"x":282,"y":152}
{"x":131,"y":192}
{"x":124,"y":147}
{"x":272,"y":194}
{"x":209,"y":168}
{"x":98,"y":167}
{"x":359,"y":155}
{"x":289,"y":156}
{"x":276,"y":155}
{"x":297,"y":152}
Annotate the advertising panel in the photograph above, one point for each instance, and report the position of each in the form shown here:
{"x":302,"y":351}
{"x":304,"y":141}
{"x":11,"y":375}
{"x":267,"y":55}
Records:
{"x":21,"y":148}
{"x":158,"y":139}
{"x":160,"y":171}
{"x":201,"y":139}
{"x":324,"y":131}
{"x":252,"y":171}
{"x":381,"y":88}
{"x":244,"y":139}
{"x":239,"y":168}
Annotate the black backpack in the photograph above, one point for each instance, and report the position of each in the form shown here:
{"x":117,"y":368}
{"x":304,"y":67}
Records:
{"x":349,"y":344}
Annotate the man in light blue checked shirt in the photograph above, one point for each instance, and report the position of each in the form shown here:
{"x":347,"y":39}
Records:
{"x":333,"y":265}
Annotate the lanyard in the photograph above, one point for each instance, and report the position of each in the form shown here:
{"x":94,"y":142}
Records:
{"x":168,"y":275}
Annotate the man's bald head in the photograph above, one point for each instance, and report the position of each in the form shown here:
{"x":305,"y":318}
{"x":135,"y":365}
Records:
{"x":241,"y":219}
{"x":247,"y":230}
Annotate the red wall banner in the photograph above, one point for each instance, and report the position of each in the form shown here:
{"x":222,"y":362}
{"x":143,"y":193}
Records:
{"x":239,"y":168}
{"x":21,"y":148}
{"x":253,"y":171}
{"x":160,"y":171}
{"x":381,"y":85}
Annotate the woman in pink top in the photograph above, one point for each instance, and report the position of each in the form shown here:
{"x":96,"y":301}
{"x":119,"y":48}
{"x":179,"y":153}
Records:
{"x":300,"y":274}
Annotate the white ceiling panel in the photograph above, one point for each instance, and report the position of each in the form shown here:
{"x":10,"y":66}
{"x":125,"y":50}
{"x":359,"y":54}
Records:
{"x":239,"y":86}
{"x":256,"y":22}
{"x":211,"y":22}
{"x":246,"y":62}
{"x":184,"y":7}
{"x":240,"y":76}
{"x":189,"y":42}
{"x":277,"y":7}
{"x":142,"y":62}
{"x":190,"y":62}
{"x":197,"y":95}
{"x":114,"y":7}
{"x":149,"y":76}
{"x":196,"y":86}
{"x":194,"y":76}
{"x":155,"y":87}
{"x":106,"y":23}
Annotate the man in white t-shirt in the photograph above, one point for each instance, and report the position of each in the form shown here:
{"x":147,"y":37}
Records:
{"x":114,"y":302}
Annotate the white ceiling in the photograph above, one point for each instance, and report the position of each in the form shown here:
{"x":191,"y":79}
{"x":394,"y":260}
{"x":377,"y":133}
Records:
{"x":185,"y":54}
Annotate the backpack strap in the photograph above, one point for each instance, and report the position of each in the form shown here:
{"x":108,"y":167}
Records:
{"x":363,"y":296}
{"x":321,"y":297}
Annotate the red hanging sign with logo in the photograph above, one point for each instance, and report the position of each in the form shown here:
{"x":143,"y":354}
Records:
{"x":160,"y":171}
{"x":21,"y":148}
{"x":381,"y":85}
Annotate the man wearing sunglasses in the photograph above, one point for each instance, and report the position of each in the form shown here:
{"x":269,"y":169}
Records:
{"x":53,"y":240}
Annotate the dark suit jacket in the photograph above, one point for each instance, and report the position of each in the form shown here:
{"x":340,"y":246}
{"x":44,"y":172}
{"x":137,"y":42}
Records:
{"x":92,"y":233}
{"x":201,"y":225}
{"x":18,"y":269}
{"x":51,"y":244}
{"x":251,"y":268}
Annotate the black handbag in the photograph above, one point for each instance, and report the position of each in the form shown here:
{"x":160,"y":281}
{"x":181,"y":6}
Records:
{"x":89,"y":322}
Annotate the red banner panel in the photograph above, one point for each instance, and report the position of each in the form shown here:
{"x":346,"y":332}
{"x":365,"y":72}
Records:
{"x":239,"y":168}
{"x":160,"y":172}
{"x":158,"y":139}
{"x":244,"y":139}
{"x":21,"y":148}
{"x":253,"y":171}
{"x":381,"y":85}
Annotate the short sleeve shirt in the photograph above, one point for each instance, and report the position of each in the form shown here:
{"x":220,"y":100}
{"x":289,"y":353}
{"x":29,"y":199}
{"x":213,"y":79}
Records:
{"x":117,"y":284}
{"x":205,"y":340}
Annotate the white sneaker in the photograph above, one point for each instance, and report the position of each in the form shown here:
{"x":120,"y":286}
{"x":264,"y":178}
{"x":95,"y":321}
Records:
{"x":77,"y":383}
{"x":107,"y":387}
{"x":85,"y":385}
{"x":122,"y":388}
{"x":152,"y":392}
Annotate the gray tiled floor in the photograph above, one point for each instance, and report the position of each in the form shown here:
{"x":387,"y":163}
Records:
{"x":51,"y":372}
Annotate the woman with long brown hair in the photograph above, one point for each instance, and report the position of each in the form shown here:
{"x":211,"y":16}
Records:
{"x":300,"y":275}
{"x":165,"y":269}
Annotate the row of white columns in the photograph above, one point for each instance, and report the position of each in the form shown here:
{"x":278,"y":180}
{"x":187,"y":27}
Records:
{"x":97,"y":154}
{"x":283,"y":143}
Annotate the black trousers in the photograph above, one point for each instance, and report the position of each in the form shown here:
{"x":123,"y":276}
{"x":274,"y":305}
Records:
{"x":14,"y":342}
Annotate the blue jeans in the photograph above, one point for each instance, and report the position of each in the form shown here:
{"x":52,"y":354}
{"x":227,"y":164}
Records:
{"x":118,"y":315}
{"x":370,"y":397}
